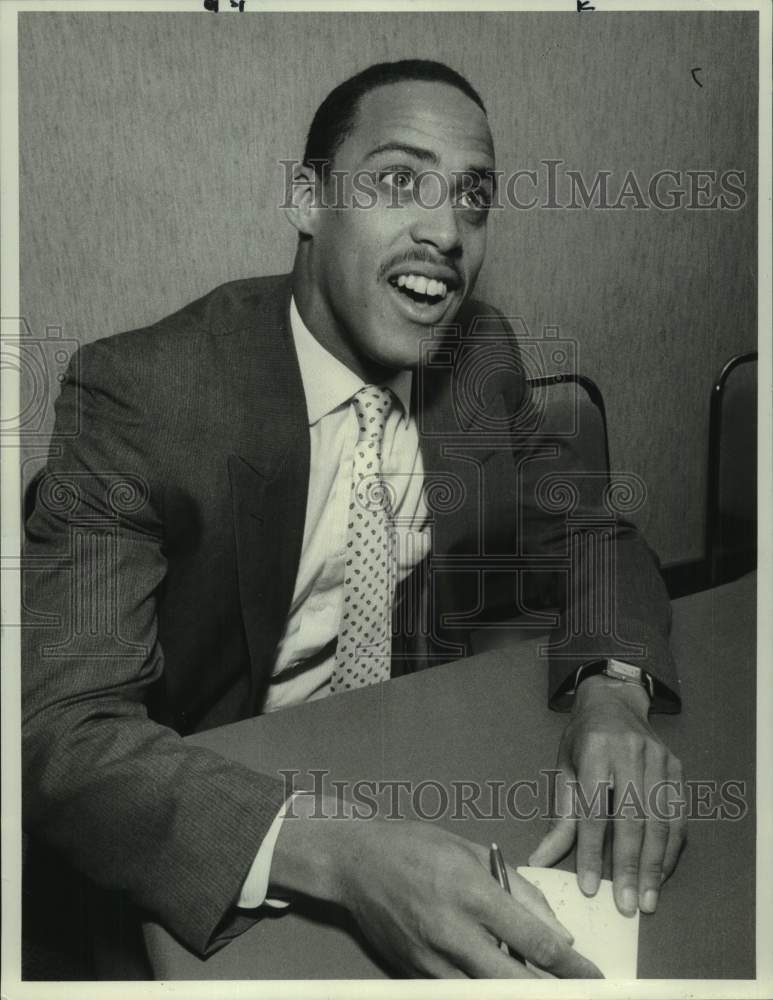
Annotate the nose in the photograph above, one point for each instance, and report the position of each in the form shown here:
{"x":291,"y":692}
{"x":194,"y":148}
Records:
{"x":435,"y":224}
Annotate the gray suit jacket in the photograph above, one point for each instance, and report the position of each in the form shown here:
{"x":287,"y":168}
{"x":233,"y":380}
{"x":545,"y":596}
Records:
{"x":160,"y":562}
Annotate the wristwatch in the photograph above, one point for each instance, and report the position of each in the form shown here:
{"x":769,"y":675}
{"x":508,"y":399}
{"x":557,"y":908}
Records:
{"x":617,"y":670}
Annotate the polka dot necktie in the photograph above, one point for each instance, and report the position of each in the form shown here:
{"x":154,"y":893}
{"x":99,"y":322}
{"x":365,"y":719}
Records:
{"x":363,"y":653}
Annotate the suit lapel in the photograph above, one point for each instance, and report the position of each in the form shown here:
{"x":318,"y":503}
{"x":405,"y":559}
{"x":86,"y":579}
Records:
{"x":269,"y":476}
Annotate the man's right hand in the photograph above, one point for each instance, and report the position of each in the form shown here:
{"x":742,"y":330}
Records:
{"x":423,"y":897}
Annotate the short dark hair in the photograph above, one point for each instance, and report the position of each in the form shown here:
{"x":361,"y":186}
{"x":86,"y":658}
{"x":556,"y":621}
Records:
{"x":336,"y":115}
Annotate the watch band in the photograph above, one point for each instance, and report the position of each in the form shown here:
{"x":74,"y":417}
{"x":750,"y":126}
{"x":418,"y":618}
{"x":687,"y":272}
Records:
{"x":618,"y":670}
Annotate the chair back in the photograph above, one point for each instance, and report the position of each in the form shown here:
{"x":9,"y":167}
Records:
{"x":572,"y":410}
{"x":731,"y":516}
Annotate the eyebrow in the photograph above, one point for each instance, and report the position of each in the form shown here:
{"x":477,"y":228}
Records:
{"x":403,"y":147}
{"x":485,"y":173}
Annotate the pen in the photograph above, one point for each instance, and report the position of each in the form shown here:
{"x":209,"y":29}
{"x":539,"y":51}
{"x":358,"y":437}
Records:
{"x":498,"y":870}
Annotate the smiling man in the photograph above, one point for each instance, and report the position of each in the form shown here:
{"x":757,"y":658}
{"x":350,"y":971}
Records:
{"x":277,"y":437}
{"x":371,"y":283}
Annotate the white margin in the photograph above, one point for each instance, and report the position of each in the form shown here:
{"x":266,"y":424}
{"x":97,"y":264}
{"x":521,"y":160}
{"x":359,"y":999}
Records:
{"x":762,"y":987}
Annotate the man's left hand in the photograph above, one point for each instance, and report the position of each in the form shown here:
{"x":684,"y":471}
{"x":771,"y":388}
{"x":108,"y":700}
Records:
{"x":609,"y":744}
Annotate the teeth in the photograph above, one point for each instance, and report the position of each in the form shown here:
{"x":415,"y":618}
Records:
{"x":424,"y":286}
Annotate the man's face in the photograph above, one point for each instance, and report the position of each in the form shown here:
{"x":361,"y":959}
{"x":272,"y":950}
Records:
{"x":385,"y":273}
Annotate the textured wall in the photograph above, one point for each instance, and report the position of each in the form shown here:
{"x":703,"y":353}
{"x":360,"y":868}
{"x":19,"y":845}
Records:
{"x":149,"y":149}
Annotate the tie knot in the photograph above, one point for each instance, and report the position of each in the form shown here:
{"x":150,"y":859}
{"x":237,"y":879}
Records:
{"x":372,"y":404}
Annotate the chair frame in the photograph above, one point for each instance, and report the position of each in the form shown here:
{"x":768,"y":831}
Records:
{"x":593,"y":391}
{"x":711,"y":548}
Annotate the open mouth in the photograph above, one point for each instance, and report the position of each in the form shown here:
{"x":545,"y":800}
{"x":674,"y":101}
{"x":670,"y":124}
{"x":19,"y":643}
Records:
{"x":420,"y":289}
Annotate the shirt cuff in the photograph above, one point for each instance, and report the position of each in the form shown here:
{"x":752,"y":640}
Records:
{"x":255,"y":886}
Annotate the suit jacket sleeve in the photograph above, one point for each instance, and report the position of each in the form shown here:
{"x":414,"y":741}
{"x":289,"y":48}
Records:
{"x":611,"y":596}
{"x":119,"y":796}
{"x":612,"y":599}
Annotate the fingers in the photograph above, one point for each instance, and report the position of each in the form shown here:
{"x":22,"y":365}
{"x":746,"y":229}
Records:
{"x":628,"y":830}
{"x":560,"y":839}
{"x":677,"y":823}
{"x":609,"y":743}
{"x":532,"y":899}
{"x":437,"y":967}
{"x":555,"y":844}
{"x":650,"y":836}
{"x":530,"y":936}
{"x":485,"y":960}
{"x":656,"y":832}
{"x":537,"y":937}
{"x":594,"y":784}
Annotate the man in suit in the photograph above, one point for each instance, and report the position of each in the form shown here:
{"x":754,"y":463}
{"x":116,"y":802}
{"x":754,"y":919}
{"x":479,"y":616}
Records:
{"x":195,"y":557}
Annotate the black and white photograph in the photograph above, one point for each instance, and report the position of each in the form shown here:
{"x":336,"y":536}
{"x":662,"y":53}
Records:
{"x":386,"y":459}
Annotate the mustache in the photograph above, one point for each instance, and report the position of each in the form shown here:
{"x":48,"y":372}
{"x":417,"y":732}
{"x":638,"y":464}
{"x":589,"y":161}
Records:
{"x":419,"y":256}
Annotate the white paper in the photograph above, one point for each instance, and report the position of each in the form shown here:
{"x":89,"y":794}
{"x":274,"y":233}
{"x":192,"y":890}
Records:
{"x":601,"y":933}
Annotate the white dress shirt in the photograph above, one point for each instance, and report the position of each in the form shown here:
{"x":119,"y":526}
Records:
{"x":306,"y":652}
{"x":305,"y":655}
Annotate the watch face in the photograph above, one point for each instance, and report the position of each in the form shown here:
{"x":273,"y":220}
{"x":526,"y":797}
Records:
{"x":623,"y":671}
{"x":617,"y":670}
{"x":627,"y":672}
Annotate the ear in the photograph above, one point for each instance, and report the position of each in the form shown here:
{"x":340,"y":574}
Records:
{"x":305,"y":199}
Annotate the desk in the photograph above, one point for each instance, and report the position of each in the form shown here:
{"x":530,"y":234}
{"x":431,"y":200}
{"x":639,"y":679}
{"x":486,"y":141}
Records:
{"x":485,"y":719}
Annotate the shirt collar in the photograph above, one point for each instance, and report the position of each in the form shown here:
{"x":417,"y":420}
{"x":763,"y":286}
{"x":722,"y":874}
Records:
{"x":327,"y":382}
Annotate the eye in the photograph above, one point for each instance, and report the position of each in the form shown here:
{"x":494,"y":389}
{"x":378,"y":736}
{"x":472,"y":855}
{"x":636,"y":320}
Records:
{"x":401,"y":178}
{"x":477,"y":199}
